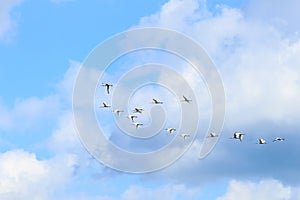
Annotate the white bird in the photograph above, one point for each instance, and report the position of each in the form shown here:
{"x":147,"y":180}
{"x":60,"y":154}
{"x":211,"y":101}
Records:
{"x":261,"y":141}
{"x":118,"y":111}
{"x":238,"y":135}
{"x":132,"y":117}
{"x":155,"y":101}
{"x":185,"y":135}
{"x":138,"y":110}
{"x":278,"y":139}
{"x":212,"y":134}
{"x":107,"y":85}
{"x":171,"y":130}
{"x":137,"y":125}
{"x":105,"y":105}
{"x":185,"y":99}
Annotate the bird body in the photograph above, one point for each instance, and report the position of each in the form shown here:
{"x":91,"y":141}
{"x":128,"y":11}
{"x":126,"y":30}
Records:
{"x":185,"y":99}
{"x":170,"y":130}
{"x":238,"y":135}
{"x":118,"y":111}
{"x":132,"y":117}
{"x":138,"y":110}
{"x":261,"y":141}
{"x":278,"y":139}
{"x":105,"y":105}
{"x":155,"y":101}
{"x":212,"y":134}
{"x":185,"y":135}
{"x":107,"y":85}
{"x":137,"y":125}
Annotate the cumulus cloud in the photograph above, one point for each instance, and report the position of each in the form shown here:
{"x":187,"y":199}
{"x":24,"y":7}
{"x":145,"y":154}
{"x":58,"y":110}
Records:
{"x":23,"y":176}
{"x":27,"y":113}
{"x":7,"y":22}
{"x":35,"y":111}
{"x":170,"y":192}
{"x":257,"y":61}
{"x":265,"y":189}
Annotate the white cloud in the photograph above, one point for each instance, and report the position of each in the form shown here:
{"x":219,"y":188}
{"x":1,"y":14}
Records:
{"x":23,"y":176}
{"x":265,"y":189}
{"x":169,"y":192}
{"x":7,"y":23}
{"x":35,"y":111}
{"x":28,"y":113}
{"x":257,"y":60}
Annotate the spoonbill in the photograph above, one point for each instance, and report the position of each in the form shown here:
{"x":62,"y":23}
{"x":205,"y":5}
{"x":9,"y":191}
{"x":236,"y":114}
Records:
{"x":155,"y":101}
{"x":138,"y":110}
{"x":212,"y":134}
{"x":132,"y":117}
{"x":238,"y":135}
{"x":137,"y":125}
{"x":105,"y":105}
{"x":107,"y":85}
{"x":278,"y":139}
{"x":171,"y":130}
{"x":118,"y":111}
{"x":185,"y":99}
{"x":185,"y":135}
{"x":261,"y":141}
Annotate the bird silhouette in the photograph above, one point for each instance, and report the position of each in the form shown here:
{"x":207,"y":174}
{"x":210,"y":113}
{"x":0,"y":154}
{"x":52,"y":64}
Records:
{"x":185,"y":99}
{"x":107,"y":85}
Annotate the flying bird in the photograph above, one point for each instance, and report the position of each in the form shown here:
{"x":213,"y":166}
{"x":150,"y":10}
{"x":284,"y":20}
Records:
{"x":212,"y":134}
{"x":171,"y":130}
{"x":138,"y":110}
{"x":185,"y":135}
{"x":238,"y":135}
{"x":105,"y":105}
{"x":278,"y":139}
{"x":118,"y":111}
{"x":137,"y":125}
{"x":185,"y":99}
{"x":261,"y":141}
{"x":107,"y":85}
{"x":155,"y":101}
{"x":132,"y":117}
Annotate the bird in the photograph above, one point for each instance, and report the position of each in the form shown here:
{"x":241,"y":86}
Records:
{"x":137,"y":125}
{"x":238,"y":135}
{"x":261,"y":141}
{"x":155,"y":101}
{"x":278,"y":139}
{"x":107,"y":85}
{"x":138,"y":110}
{"x":185,"y":135}
{"x":185,"y":99}
{"x":105,"y":105}
{"x":132,"y":117}
{"x":118,"y":111}
{"x":171,"y":130}
{"x":212,"y":134}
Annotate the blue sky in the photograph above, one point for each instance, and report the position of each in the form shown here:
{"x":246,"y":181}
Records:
{"x":255,"y":47}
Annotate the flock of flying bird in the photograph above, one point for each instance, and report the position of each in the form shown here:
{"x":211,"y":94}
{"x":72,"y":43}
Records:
{"x":137,"y":111}
{"x":132,"y":117}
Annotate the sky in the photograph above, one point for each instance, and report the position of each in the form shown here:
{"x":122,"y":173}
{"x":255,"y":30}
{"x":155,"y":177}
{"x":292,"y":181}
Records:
{"x":255,"y":47}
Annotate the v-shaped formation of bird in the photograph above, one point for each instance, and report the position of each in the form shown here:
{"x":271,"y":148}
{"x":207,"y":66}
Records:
{"x":136,"y":111}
